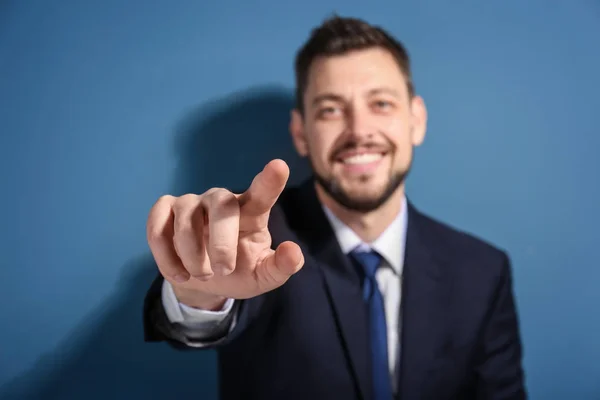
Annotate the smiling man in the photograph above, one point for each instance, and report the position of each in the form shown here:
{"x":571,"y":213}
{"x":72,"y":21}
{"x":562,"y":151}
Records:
{"x":339,"y":288}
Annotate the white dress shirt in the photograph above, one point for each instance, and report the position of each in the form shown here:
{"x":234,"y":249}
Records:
{"x":199,"y":324}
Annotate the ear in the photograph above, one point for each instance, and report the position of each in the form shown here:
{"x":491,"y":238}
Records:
{"x":419,"y":120}
{"x":297,"y":132}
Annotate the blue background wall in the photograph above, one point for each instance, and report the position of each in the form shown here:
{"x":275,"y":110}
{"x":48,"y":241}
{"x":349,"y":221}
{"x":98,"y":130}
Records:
{"x":104,"y":106}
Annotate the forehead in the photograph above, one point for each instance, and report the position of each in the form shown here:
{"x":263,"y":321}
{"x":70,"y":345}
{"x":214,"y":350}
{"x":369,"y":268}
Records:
{"x":355,"y":73}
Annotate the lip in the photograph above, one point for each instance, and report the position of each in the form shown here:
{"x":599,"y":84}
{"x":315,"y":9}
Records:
{"x":352,"y":153}
{"x":369,"y":163}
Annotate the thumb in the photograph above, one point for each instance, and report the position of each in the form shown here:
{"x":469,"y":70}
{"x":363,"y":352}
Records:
{"x":278,"y":267}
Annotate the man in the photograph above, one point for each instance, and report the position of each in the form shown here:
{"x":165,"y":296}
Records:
{"x":339,"y":288}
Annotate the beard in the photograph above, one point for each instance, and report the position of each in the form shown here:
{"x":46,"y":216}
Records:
{"x":362,"y":204}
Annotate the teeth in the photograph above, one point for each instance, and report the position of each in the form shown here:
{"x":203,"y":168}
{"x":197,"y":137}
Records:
{"x":363,"y":158}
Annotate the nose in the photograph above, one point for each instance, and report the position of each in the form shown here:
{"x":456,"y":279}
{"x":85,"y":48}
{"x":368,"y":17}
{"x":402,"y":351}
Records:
{"x":360,"y":125}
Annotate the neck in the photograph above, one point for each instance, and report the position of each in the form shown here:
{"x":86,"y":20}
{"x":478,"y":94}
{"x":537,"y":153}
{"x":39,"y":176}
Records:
{"x":367,"y":225}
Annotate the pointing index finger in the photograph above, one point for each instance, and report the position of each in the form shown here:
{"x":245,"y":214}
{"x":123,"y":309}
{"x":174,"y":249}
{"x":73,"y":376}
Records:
{"x":265,"y":189}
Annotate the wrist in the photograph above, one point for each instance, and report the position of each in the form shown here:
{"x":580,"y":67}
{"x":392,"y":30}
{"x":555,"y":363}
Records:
{"x":196,"y":299}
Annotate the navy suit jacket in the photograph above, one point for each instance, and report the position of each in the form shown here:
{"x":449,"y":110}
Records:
{"x":308,"y":339}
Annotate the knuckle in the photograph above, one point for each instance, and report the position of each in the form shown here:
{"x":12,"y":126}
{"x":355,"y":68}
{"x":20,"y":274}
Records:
{"x":222,"y":257}
{"x":188,"y":196}
{"x":165,"y":199}
{"x":194,"y":267}
{"x":154,"y":233}
{"x":198,"y":266}
{"x":185,"y":202}
{"x":185,"y":211}
{"x":184,"y":226}
{"x":163,"y":202}
{"x":222,"y":197}
{"x":202,"y":273}
{"x":222,"y":251}
{"x":212,"y":190}
{"x":167,"y":270}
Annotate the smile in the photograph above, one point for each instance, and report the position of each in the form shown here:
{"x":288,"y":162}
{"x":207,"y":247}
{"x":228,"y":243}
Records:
{"x":361,"y":163}
{"x":360,"y":159}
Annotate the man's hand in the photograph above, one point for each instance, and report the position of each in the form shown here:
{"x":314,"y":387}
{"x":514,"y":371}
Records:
{"x":217,"y":245}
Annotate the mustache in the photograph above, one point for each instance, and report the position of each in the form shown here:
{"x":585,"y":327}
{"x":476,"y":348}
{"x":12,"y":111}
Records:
{"x":354,"y":146}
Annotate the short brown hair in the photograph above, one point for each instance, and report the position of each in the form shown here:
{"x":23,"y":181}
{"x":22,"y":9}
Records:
{"x":337,"y":36}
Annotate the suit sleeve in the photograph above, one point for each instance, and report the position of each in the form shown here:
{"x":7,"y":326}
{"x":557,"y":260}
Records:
{"x":499,"y":365}
{"x":158,"y":327}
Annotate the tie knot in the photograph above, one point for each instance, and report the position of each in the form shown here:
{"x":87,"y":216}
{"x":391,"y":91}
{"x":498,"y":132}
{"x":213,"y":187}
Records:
{"x":369,"y":260}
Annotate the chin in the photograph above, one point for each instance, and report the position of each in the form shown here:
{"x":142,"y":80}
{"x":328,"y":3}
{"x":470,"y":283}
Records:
{"x":365,"y":196}
{"x":363,"y":192}
{"x":360,"y":197}
{"x":364,"y":185}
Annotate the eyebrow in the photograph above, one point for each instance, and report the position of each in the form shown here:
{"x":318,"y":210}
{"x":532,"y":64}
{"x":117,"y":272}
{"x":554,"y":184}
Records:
{"x":327,"y":96}
{"x":386,"y":90}
{"x":338,"y":98}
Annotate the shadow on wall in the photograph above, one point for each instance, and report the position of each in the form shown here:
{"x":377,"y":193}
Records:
{"x":227,"y":142}
{"x":224,"y":143}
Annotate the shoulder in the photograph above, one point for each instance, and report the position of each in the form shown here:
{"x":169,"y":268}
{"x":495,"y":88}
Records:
{"x":453,"y":239}
{"x":459,"y":251}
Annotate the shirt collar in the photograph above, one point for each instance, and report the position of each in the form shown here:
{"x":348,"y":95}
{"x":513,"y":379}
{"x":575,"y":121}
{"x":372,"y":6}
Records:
{"x":390,"y":244}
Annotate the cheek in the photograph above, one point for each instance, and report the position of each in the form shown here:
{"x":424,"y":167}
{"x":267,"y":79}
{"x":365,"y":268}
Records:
{"x":321,"y":143}
{"x":400,"y":137}
{"x":396,"y":128}
{"x":403,"y":154}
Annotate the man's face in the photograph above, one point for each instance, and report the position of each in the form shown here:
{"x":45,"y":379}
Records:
{"x":359,"y":127}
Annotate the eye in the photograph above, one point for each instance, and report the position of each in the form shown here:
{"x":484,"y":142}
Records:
{"x":382,"y":105}
{"x":328,"y":112}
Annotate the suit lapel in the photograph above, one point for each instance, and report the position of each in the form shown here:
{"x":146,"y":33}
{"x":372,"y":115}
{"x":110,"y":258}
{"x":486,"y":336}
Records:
{"x":423,"y":309}
{"x":342,"y":284}
{"x":351,"y":316}
{"x":423,"y":297}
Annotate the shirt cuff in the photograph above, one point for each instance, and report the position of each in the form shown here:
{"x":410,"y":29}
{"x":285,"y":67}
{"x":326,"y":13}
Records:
{"x":190,"y":317}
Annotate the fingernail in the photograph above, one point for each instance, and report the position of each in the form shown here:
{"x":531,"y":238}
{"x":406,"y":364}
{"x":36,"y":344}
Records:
{"x":223,"y":269}
{"x":203,"y":277}
{"x":180,"y":278}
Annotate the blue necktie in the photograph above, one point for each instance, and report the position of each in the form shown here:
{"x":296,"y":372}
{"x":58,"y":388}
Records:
{"x":370,"y":261}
